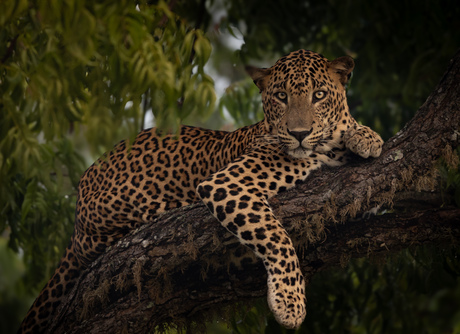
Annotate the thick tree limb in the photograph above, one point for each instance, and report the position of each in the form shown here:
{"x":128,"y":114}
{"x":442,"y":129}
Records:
{"x":177,"y":267}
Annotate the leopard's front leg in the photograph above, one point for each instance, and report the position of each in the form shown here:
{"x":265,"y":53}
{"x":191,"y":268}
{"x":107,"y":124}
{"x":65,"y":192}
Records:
{"x":237,"y":196}
{"x":363,"y":141}
{"x":247,"y":215}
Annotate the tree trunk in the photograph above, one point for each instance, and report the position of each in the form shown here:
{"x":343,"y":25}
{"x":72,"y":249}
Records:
{"x":177,"y":268}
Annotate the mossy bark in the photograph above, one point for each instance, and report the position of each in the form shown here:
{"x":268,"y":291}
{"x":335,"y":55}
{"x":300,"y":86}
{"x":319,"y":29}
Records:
{"x":177,"y":269}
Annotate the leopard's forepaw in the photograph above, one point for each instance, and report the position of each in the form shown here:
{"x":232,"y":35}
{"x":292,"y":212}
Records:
{"x":364,"y":141}
{"x":287,"y":302}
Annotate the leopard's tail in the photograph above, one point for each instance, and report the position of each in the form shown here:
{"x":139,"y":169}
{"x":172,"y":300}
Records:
{"x":44,"y":307}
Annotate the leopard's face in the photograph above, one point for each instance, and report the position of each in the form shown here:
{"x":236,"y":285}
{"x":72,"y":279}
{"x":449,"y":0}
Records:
{"x":304,"y":101}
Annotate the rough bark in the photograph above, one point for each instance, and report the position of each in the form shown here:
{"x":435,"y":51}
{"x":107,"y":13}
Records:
{"x":177,"y":267}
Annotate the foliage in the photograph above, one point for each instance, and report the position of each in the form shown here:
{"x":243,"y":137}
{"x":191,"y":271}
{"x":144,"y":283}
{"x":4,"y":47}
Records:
{"x":78,"y":76}
{"x":13,"y":297}
{"x":239,"y":98}
{"x":415,"y":291}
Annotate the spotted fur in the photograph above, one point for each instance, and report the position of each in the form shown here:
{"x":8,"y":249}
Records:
{"x":307,"y":124}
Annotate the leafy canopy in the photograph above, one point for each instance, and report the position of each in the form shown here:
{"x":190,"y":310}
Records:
{"x":76,"y":76}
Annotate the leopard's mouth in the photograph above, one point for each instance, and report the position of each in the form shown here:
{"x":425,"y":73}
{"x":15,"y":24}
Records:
{"x":299,"y":150}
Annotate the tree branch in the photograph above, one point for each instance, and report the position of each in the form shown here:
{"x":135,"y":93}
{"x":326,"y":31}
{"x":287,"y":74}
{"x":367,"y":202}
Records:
{"x":177,"y":267}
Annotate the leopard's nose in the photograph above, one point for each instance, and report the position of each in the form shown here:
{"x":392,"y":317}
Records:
{"x":300,"y":135}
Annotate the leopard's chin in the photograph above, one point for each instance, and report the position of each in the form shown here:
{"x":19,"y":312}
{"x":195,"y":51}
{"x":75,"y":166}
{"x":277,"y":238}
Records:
{"x":299,"y":153}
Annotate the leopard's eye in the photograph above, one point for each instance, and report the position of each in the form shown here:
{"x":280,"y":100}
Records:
{"x":281,"y":96}
{"x":319,"y":95}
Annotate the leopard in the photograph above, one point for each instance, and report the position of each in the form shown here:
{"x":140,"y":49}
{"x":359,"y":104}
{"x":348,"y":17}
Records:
{"x":307,"y":124}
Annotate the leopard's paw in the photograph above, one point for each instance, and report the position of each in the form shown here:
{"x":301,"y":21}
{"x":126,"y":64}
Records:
{"x":364,"y":141}
{"x":286,"y":298}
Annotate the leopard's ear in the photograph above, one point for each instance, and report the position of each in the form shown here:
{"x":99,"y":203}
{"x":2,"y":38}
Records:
{"x":260,"y":76}
{"x":343,"y":66}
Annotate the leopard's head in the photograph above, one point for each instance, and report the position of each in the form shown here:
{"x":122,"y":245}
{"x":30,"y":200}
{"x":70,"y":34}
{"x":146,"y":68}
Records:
{"x":304,"y":100}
